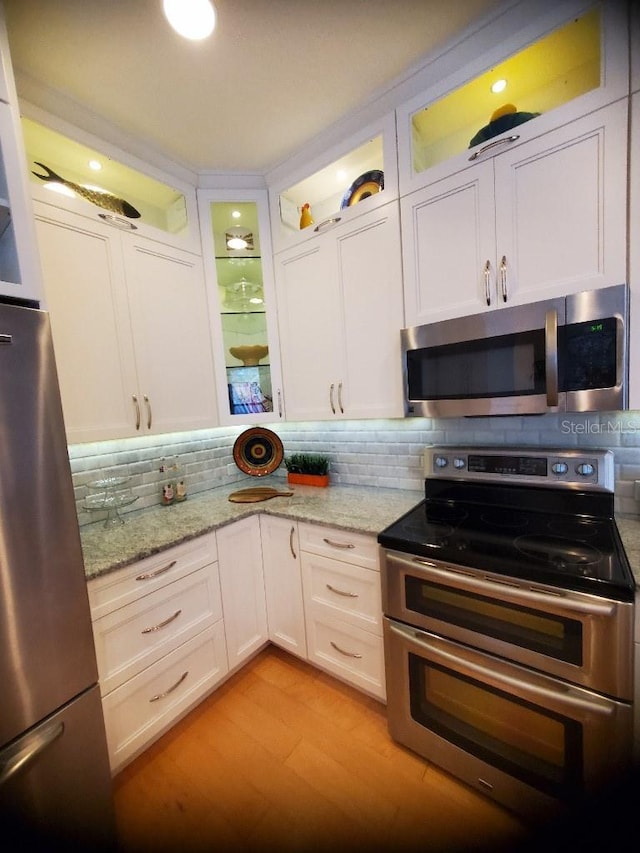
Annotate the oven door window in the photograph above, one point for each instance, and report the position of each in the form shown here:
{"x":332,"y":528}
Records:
{"x":558,"y":637}
{"x":541,"y":748}
{"x":501,"y":366}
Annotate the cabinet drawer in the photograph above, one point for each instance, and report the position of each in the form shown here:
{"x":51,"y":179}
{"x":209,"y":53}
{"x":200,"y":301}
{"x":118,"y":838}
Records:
{"x":355,"y":548}
{"x":346,"y":592}
{"x":125,"y":585}
{"x":352,"y":654}
{"x":145,"y":706}
{"x":133,"y":637}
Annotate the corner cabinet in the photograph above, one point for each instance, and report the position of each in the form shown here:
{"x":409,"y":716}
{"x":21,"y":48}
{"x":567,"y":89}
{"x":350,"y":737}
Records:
{"x":129,"y":319}
{"x":340,"y":312}
{"x":544,"y":218}
{"x":238,"y":263}
{"x":20,"y":275}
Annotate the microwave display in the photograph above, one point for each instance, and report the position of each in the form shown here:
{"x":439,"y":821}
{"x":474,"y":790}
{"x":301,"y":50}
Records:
{"x":587,"y":357}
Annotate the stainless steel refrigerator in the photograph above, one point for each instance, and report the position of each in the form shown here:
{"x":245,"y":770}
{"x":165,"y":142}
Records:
{"x":55,"y":783}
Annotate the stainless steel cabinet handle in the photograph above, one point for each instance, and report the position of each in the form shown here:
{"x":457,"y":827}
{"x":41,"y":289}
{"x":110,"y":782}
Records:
{"x":503,"y":278}
{"x":6,"y":339}
{"x":340,"y":398}
{"x":341,"y":591}
{"x":338,"y":544}
{"x":161,"y":624}
{"x":171,"y":689}
{"x":327,"y":223}
{"x":137,"y":405}
{"x":145,"y":576}
{"x":342,"y":651}
{"x":551,"y":356}
{"x":149,"y":416}
{"x":279,"y":403}
{"x":292,"y":533}
{"x":27,"y":749}
{"x":333,"y":408}
{"x":487,"y":282}
{"x":506,"y":141}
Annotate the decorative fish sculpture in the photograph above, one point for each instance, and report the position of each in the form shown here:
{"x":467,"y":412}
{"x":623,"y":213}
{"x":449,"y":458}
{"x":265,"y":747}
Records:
{"x":104,"y":200}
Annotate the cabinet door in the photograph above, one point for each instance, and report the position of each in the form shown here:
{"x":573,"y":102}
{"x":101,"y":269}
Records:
{"x":283,"y":584}
{"x":171,"y":333}
{"x":310,"y":341}
{"x":242,"y":586}
{"x":370,"y":276}
{"x":86,"y":296}
{"x":561,"y":208}
{"x":448,"y":237}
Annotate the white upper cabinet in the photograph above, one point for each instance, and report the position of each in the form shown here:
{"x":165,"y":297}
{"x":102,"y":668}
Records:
{"x":130,"y":327}
{"x":340,"y":315}
{"x":239,"y":271}
{"x":347,"y":180}
{"x":20,"y":274}
{"x":545,"y":218}
{"x":555,"y":63}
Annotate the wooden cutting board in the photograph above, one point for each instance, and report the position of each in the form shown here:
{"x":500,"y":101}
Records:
{"x":257,"y":493}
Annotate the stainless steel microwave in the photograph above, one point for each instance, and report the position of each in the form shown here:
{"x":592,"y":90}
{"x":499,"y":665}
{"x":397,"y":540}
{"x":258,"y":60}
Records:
{"x":560,"y":355}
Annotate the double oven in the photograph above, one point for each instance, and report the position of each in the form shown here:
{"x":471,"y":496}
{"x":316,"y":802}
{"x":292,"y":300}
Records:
{"x":508,"y":627}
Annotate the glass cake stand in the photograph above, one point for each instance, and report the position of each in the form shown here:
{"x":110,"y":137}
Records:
{"x":111,"y":494}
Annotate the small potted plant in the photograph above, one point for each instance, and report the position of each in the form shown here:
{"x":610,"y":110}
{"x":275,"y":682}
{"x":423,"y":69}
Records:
{"x":306,"y":469}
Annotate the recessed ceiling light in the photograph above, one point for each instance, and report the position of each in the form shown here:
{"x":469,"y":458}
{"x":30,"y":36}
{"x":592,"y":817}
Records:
{"x":236,"y":214}
{"x":193,"y":19}
{"x":95,"y":165}
{"x":499,"y":86}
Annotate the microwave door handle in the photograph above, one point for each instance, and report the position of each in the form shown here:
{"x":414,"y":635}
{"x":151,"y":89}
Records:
{"x":551,"y":356}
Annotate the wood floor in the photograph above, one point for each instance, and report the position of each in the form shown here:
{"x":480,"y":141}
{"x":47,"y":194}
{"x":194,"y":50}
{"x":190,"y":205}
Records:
{"x":283,"y":757}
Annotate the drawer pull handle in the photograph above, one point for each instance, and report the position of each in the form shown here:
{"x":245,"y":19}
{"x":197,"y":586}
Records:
{"x":506,"y":141}
{"x":342,"y":651}
{"x":342,"y":592}
{"x":171,"y":689}
{"x":6,"y":339}
{"x":345,"y":545}
{"x":147,"y":576}
{"x":292,"y":534}
{"x":162,"y":624}
{"x":333,"y":220}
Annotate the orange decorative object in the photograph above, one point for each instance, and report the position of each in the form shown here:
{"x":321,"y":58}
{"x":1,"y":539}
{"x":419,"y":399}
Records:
{"x":305,"y":216}
{"x":308,"y":479}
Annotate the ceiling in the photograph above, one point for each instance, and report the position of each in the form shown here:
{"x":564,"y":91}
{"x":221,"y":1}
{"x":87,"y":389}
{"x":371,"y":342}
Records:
{"x":274,"y":74}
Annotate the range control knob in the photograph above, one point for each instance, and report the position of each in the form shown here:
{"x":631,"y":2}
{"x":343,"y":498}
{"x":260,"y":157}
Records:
{"x":440,"y":461}
{"x":585,"y":469}
{"x":559,"y":467}
{"x":458,"y":462}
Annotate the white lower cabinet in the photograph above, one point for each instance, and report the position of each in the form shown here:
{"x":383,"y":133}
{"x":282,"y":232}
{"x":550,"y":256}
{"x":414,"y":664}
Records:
{"x":283,"y":584}
{"x":242,"y":585}
{"x":342,"y":605}
{"x":160,"y":642}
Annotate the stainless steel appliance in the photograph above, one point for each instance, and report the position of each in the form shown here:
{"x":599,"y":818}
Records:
{"x":55,"y":783}
{"x":508,"y":632}
{"x":553,"y":356}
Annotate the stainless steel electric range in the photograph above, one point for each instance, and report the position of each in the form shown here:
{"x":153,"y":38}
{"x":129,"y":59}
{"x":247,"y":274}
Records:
{"x":508,"y":604}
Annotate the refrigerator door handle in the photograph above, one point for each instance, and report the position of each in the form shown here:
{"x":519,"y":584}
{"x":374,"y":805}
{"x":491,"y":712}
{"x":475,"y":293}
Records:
{"x":28,"y":749}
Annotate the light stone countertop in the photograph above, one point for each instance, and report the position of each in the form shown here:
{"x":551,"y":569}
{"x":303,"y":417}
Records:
{"x":362,"y":509}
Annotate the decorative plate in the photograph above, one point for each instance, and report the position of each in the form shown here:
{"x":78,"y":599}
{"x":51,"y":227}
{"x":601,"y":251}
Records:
{"x":257,"y":451}
{"x":369,"y":183}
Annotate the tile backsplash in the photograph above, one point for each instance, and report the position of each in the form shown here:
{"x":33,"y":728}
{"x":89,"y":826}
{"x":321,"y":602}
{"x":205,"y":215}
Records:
{"x":385,"y":453}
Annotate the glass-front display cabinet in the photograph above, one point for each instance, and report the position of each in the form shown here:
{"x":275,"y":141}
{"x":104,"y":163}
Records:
{"x":343,"y":182}
{"x":563,"y":65}
{"x":88,"y":180}
{"x":238,"y":265}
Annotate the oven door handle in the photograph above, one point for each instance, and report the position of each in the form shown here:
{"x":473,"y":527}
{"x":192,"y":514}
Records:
{"x":503,"y":676}
{"x":510,"y":591}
